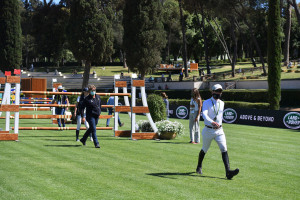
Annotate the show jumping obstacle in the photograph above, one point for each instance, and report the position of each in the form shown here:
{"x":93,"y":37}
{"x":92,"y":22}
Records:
{"x":6,"y":107}
{"x":141,"y":109}
{"x":132,"y":110}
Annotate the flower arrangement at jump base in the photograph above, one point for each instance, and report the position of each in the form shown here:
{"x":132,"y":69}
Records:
{"x":166,"y":129}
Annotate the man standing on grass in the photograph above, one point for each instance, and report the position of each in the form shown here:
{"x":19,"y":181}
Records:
{"x":213,"y":115}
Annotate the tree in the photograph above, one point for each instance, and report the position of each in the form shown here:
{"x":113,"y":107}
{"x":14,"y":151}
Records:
{"x":274,"y":53}
{"x":10,"y":35}
{"x":296,"y":8}
{"x":90,"y":33}
{"x":144,"y":35}
{"x":287,"y":33}
{"x":49,"y":30}
{"x":171,"y":21}
{"x":184,"y":52}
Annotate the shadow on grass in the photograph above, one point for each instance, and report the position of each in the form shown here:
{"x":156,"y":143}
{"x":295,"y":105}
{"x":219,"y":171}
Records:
{"x":165,"y":142}
{"x":173,"y":175}
{"x":56,"y":140}
{"x":46,"y":136}
{"x":65,"y":145}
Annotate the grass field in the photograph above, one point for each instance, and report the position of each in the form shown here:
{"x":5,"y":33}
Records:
{"x":51,"y":165}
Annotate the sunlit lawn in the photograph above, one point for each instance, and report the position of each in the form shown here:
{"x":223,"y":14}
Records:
{"x":52,"y":165}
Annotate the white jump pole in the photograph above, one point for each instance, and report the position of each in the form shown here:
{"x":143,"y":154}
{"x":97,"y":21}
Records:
{"x":6,"y":101}
{"x":17,"y":102}
{"x":145,"y":104}
{"x":126,"y":99}
{"x":133,"y":93}
{"x":116,"y":103}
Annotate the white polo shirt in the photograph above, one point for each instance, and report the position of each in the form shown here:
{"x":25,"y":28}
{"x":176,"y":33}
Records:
{"x":212,"y":110}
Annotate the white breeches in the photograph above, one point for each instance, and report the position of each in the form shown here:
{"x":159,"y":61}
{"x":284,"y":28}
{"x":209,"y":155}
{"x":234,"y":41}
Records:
{"x":79,"y":123}
{"x":218,"y":135}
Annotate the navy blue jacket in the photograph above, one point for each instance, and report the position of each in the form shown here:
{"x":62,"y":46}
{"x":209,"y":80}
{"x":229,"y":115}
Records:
{"x":92,"y":105}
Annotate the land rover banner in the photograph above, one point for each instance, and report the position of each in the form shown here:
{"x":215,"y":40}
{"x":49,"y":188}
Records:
{"x":266,"y":118}
{"x":254,"y":117}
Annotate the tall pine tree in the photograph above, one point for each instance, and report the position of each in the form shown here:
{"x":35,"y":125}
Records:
{"x":144,"y":35}
{"x":274,"y":54}
{"x":10,"y":35}
{"x":90,"y":33}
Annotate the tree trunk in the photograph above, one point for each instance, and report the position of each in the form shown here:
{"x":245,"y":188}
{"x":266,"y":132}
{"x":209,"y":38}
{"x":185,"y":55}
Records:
{"x":255,"y":42}
{"x":124,"y":60}
{"x":221,"y":38}
{"x":203,"y":32}
{"x":184,"y":39}
{"x":296,"y":8}
{"x":252,"y":58}
{"x":86,"y":74}
{"x":168,"y":50}
{"x":287,"y":34}
{"x":234,"y":41}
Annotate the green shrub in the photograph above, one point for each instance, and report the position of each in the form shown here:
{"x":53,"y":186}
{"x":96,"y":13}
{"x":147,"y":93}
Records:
{"x":157,"y":107}
{"x":144,"y":126}
{"x":247,"y":105}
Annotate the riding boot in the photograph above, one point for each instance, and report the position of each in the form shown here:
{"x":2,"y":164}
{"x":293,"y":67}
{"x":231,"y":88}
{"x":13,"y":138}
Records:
{"x":200,"y":159}
{"x":229,"y":173}
{"x":77,"y":135}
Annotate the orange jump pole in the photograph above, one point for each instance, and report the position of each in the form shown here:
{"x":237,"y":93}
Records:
{"x":60,"y":128}
{"x":59,"y":105}
{"x":73,"y":93}
{"x":36,"y":109}
{"x":36,"y":100}
{"x":52,"y":116}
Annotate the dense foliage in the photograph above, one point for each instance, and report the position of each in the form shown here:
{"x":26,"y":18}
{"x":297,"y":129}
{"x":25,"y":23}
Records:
{"x":144,"y":35}
{"x":89,"y":33}
{"x":157,"y":107}
{"x":10,"y":35}
{"x":274,"y":53}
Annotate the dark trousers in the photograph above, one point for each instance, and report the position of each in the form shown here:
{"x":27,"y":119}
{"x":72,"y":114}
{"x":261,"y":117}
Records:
{"x":93,"y":121}
{"x":60,"y":111}
{"x":110,"y":111}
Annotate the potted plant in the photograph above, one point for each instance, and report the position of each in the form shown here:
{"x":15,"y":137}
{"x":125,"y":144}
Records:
{"x":169,"y":130}
{"x":144,"y":126}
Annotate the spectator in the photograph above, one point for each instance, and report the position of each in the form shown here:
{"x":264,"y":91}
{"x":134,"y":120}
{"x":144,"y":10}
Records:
{"x":170,"y":76}
{"x":77,"y":113}
{"x":60,"y":99}
{"x":195,"y":110}
{"x":92,"y":103}
{"x":151,"y":79}
{"x":31,"y":67}
{"x":166,"y":101}
{"x":111,"y":101}
{"x":181,"y":76}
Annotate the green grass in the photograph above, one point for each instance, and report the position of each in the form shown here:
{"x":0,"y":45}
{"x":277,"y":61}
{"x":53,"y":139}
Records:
{"x":51,"y":165}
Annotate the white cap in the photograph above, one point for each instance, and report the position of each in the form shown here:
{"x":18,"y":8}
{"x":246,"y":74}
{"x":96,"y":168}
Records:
{"x":60,"y":87}
{"x":216,"y":87}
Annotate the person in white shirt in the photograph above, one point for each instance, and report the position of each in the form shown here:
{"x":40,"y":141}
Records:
{"x":195,"y":110}
{"x":78,"y":114}
{"x":212,"y":112}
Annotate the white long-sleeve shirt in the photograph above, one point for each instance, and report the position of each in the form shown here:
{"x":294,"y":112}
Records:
{"x":210,"y":108}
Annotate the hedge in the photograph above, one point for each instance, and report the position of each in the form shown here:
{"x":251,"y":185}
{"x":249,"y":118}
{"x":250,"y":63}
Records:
{"x":228,"y":104}
{"x":288,"y":97}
